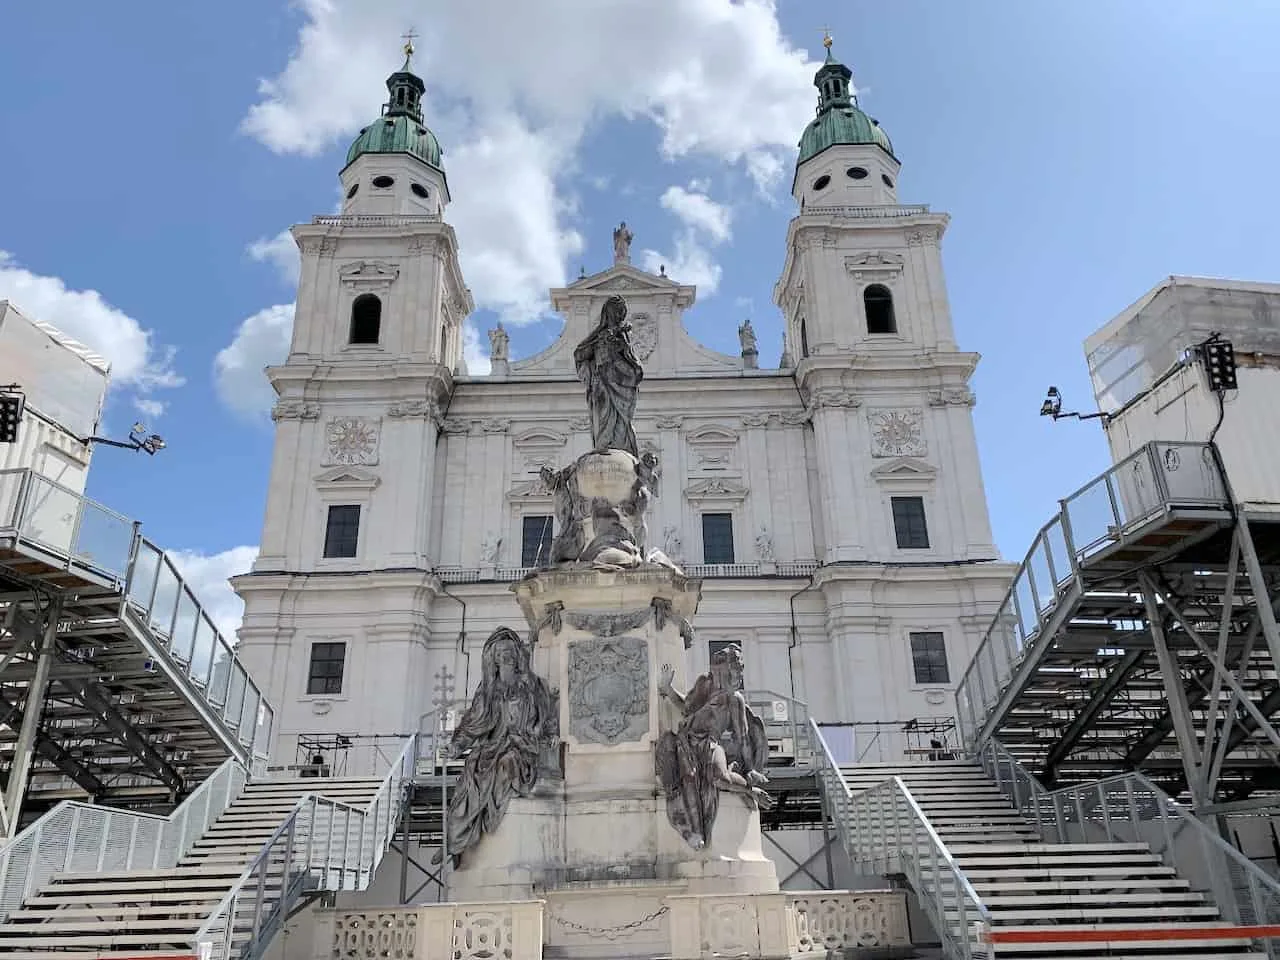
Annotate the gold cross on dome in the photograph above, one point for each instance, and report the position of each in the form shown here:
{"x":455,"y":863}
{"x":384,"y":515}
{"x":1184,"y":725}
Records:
{"x":408,"y":43}
{"x":826,"y":37}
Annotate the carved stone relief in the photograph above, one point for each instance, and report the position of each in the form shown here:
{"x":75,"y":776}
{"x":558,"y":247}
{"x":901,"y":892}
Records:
{"x":351,"y":440}
{"x":715,"y":488}
{"x":960,"y":396}
{"x":644,"y":335}
{"x":413,"y":410}
{"x":897,"y":433}
{"x":607,"y":624}
{"x":495,"y":425}
{"x":376,"y":935}
{"x":825,"y":397}
{"x":295,"y":410}
{"x":580,"y":424}
{"x":366,"y":273}
{"x":609,"y":689}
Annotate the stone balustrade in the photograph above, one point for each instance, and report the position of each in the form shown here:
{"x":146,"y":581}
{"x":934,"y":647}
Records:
{"x":762,"y":926}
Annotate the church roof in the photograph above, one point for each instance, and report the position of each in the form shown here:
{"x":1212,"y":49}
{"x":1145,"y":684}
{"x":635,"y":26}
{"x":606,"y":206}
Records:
{"x":400,"y":129}
{"x":840,"y":120}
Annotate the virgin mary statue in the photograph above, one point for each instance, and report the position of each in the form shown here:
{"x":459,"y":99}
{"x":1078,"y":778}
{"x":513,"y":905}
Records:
{"x":609,"y":368}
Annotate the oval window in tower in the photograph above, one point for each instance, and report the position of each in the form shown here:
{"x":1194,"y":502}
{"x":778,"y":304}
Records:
{"x":887,"y":181}
{"x":352,"y":192}
{"x":383,"y":182}
{"x":821,"y":182}
{"x":419,"y":190}
{"x":856,"y":173}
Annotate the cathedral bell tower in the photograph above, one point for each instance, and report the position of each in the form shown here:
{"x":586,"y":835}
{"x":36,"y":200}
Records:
{"x":335,"y":607}
{"x":869,"y":330}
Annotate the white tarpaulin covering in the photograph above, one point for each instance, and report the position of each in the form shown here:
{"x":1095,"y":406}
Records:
{"x":63,"y":380}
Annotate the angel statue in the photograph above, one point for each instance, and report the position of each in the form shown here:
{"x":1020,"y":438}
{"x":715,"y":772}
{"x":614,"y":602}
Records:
{"x":694,"y":765}
{"x":512,"y":718}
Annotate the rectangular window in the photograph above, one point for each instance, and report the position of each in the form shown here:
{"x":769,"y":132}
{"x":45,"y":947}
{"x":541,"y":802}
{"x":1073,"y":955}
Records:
{"x":908,"y":523}
{"x":342,"y":530}
{"x":929,"y":658}
{"x":535,"y":542}
{"x":717,"y":538}
{"x":324,"y":676}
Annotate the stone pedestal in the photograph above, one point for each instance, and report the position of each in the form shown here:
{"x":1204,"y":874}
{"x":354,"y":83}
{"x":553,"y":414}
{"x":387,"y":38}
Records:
{"x":602,"y":830}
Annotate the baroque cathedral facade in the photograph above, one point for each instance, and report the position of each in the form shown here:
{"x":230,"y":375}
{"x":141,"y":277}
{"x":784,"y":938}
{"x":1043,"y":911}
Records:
{"x":833,"y":506}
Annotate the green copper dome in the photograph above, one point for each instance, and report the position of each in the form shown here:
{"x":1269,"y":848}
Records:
{"x":839,"y":120}
{"x":400,"y":128}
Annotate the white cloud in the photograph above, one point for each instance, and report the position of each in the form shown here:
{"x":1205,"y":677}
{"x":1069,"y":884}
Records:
{"x":84,"y":315}
{"x":474,"y":355}
{"x":508,"y":216}
{"x":698,"y":211}
{"x":261,"y":341}
{"x":715,"y":76}
{"x":148,"y":407}
{"x":691,"y":263}
{"x":281,"y":252}
{"x":207,"y":575}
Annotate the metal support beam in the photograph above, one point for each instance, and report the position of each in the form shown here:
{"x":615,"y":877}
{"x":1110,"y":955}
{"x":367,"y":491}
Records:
{"x":1261,"y":590}
{"x":1114,"y":680}
{"x":1183,"y":727}
{"x":138,"y":745}
{"x":53,"y":751}
{"x":20,"y":772}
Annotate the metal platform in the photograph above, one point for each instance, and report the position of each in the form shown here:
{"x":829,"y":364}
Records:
{"x":1140,"y":634}
{"x":138,"y":696}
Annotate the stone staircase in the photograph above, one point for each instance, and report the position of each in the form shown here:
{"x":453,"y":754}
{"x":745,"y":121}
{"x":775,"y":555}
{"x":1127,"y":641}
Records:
{"x":1033,"y":887}
{"x":156,"y":913}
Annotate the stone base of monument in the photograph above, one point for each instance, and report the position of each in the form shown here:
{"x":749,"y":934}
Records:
{"x":620,"y":919}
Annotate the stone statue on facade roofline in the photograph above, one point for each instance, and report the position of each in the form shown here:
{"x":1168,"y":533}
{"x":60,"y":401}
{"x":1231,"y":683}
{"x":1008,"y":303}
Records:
{"x":607,"y":365}
{"x":694,"y":762}
{"x":512,"y":720}
{"x":499,"y":343}
{"x":622,"y":238}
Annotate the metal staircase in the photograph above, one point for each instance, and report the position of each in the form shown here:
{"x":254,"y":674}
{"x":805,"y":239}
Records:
{"x":1140,"y":633}
{"x":115,"y":684}
{"x":216,"y":880}
{"x":1003,"y":867}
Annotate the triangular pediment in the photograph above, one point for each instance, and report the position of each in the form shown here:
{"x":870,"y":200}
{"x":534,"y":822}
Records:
{"x":905,"y":468}
{"x":347,"y":476}
{"x":715,"y":488}
{"x":622,"y":277}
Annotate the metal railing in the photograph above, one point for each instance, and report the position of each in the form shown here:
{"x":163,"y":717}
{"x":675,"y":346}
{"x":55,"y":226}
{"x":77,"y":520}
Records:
{"x":1129,"y":808}
{"x":323,"y":845}
{"x":885,"y":829}
{"x":78,"y":534}
{"x":1104,"y":512}
{"x":76,"y":837}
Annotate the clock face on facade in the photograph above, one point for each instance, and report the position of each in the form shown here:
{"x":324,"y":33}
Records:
{"x":352,"y":440}
{"x":897,"y":433}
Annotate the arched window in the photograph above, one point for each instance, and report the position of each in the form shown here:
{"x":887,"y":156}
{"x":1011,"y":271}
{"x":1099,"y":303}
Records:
{"x":366,"y":318}
{"x":804,"y":338}
{"x":879,"y":305}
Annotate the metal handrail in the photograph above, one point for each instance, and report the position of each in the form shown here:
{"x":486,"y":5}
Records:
{"x":1127,"y":496}
{"x":296,"y":858}
{"x":883,"y":825}
{"x":186,"y":640}
{"x":1120,"y":805}
{"x":75,"y":836}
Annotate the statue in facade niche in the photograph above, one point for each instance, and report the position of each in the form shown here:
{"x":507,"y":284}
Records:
{"x":499,"y":343}
{"x":694,"y":762}
{"x":511,"y":720}
{"x":607,"y":365}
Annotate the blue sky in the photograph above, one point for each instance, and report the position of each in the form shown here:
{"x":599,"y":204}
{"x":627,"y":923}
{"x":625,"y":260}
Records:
{"x":1084,"y":150}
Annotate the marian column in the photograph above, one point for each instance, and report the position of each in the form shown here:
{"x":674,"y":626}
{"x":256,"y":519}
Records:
{"x":629,"y":796}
